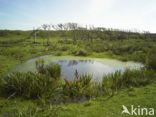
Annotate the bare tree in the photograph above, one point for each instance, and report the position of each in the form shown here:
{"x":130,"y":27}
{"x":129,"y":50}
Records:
{"x":73,"y":27}
{"x":46,"y":28}
{"x":48,"y":40}
{"x":35,"y":31}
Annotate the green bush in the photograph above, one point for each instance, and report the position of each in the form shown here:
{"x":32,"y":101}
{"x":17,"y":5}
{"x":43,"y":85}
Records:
{"x":78,"y":88}
{"x":29,"y":85}
{"x":58,"y":53}
{"x":130,"y":78}
{"x":54,"y":70}
{"x":65,"y":48}
{"x":151,"y":60}
{"x":80,"y":52}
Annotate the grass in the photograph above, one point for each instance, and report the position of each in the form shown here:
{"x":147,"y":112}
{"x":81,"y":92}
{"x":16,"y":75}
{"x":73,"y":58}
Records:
{"x":101,"y":106}
{"x":29,"y":85}
{"x":132,"y":87}
{"x":130,"y":78}
{"x":6,"y":63}
{"x":46,"y":84}
{"x":32,"y":85}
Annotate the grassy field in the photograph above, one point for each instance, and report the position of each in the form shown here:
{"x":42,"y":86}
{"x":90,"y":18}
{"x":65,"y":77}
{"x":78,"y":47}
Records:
{"x":96,"y":107}
{"x":13,"y":51}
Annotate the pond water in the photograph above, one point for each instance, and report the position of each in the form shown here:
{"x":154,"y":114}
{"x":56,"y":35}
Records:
{"x":94,"y":66}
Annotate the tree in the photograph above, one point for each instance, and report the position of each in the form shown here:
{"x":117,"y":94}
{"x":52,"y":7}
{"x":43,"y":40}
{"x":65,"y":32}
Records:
{"x":35,"y":31}
{"x":46,"y":28}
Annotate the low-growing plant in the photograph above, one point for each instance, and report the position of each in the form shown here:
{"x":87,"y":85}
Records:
{"x":54,"y":70}
{"x":47,"y":84}
{"x":129,"y":78}
{"x":151,"y":60}
{"x":30,"y":85}
{"x":78,"y":88}
{"x":80,"y":52}
{"x":59,"y":53}
{"x":40,"y":66}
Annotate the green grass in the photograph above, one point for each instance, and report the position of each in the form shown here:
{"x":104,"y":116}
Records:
{"x":96,"y":107}
{"x":29,"y":85}
{"x":14,"y":51}
{"x":46,"y":84}
{"x":6,"y":63}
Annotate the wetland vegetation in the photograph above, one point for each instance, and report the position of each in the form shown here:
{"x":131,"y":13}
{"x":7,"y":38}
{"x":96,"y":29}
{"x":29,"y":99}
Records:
{"x":44,"y":92}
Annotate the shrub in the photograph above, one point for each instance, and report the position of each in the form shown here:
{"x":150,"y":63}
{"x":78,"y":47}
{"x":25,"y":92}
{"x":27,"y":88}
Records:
{"x":118,"y":80}
{"x":65,"y":48}
{"x":58,"y":53}
{"x":40,"y":66}
{"x":80,"y":52}
{"x":30,"y":85}
{"x":77,"y":89}
{"x":151,"y":60}
{"x":54,"y":70}
{"x":111,"y":82}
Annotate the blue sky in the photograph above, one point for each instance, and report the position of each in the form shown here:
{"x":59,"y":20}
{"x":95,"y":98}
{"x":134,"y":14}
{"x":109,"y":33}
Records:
{"x":121,"y":14}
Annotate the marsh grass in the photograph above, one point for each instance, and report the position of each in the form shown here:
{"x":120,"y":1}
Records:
{"x":151,"y":59}
{"x":29,"y":85}
{"x":13,"y":50}
{"x":46,"y":84}
{"x":78,"y":89}
{"x":80,"y":52}
{"x":41,"y":84}
{"x":54,"y":70}
{"x":130,"y":78}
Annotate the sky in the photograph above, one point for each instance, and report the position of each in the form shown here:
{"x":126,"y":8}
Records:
{"x":139,"y":15}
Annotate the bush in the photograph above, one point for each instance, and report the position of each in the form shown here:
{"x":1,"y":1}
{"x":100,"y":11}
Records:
{"x":30,"y":85}
{"x":33,"y":85}
{"x":54,"y":70}
{"x":151,"y":60}
{"x":58,"y":53}
{"x":65,"y":48}
{"x":79,"y":88}
{"x":130,"y":78}
{"x":80,"y":52}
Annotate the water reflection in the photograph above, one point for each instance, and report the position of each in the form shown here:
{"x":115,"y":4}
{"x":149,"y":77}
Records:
{"x":94,"y":66}
{"x":74,"y":62}
{"x":96,"y":69}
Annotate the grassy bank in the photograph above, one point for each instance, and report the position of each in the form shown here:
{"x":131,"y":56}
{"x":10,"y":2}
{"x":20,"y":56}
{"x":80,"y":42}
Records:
{"x":19,"y":96}
{"x":101,"y":106}
{"x":17,"y":51}
{"x":45,"y":94}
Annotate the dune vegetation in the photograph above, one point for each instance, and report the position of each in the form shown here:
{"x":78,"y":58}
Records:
{"x":46,"y":94}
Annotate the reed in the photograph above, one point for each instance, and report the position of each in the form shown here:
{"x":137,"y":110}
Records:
{"x":130,"y":78}
{"x":49,"y":85}
{"x":33,"y":85}
{"x":80,"y":87}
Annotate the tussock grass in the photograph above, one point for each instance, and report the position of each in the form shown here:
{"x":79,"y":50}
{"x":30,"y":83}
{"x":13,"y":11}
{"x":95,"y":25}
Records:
{"x":81,"y":87}
{"x":47,"y":83}
{"x":130,"y":78}
{"x":29,"y":85}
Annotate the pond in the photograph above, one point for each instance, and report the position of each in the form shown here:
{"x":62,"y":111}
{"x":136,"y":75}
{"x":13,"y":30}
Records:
{"x":95,"y":66}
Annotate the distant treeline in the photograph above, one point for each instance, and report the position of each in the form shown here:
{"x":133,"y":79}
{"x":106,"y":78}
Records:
{"x":77,"y":32}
